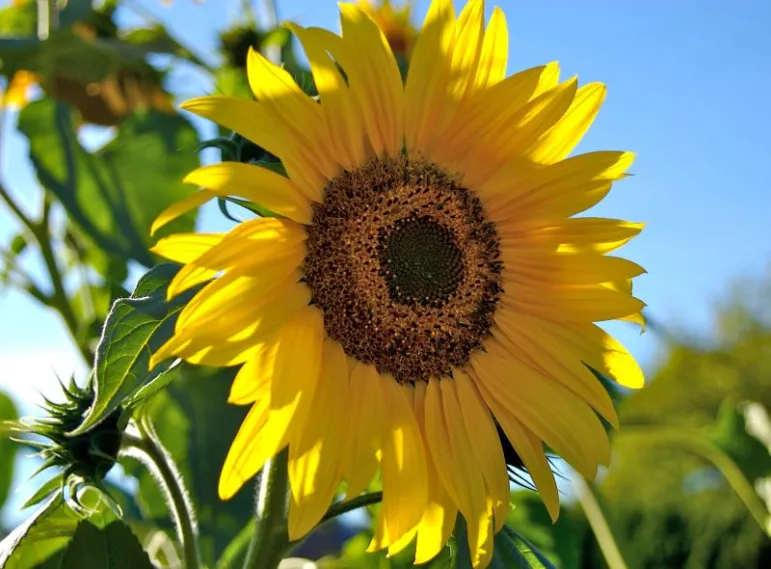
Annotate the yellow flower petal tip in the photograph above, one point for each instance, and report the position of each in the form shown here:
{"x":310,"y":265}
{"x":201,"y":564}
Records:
{"x":432,"y":263}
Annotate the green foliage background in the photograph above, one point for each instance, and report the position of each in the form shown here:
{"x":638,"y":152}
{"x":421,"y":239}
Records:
{"x":665,"y":502}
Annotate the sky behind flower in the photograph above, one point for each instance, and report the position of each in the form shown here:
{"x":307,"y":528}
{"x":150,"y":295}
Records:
{"x":688,"y":89}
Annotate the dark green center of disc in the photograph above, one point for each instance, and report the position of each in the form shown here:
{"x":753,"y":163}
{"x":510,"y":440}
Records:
{"x":421,"y":262}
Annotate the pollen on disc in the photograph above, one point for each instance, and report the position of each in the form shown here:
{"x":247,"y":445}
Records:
{"x":405,"y":267}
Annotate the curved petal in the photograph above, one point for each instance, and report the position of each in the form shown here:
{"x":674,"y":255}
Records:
{"x":254,"y":247}
{"x":292,"y":380}
{"x":373,"y":78}
{"x":438,"y":520}
{"x":186,"y":247}
{"x":484,"y":442}
{"x":316,"y":453}
{"x":495,"y":52}
{"x":451,"y":449}
{"x":255,"y":184}
{"x":255,"y":122}
{"x":367,"y":424}
{"x":403,"y":463}
{"x":529,"y":448}
{"x":346,"y":131}
{"x":425,"y":92}
{"x":565,"y":423}
{"x":563,"y":137}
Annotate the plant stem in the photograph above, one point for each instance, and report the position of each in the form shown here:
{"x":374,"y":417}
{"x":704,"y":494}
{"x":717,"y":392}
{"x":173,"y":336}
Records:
{"x":698,"y":444}
{"x":147,"y":448}
{"x":341,"y":508}
{"x":270,"y":539}
{"x":599,"y":524}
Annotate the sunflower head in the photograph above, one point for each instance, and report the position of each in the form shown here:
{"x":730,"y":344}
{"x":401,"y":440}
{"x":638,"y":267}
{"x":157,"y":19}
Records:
{"x":427,"y":257}
{"x":395,"y":23}
{"x":83,"y":459}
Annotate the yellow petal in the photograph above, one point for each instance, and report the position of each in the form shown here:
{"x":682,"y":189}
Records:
{"x":316,"y":453}
{"x":255,"y":122}
{"x":584,"y":234}
{"x":186,"y":247}
{"x":529,"y":448}
{"x":240,"y":302}
{"x":563,"y":137}
{"x":566,"y":268}
{"x":252,"y":382}
{"x":242,"y":463}
{"x":373,"y":78}
{"x":455,"y":461}
{"x":607,"y":355}
{"x":535,"y":118}
{"x":529,"y":341}
{"x":483,"y":111}
{"x":557,"y":416}
{"x":469,"y":35}
{"x":292,"y":380}
{"x":367,"y":423}
{"x":438,"y":520}
{"x":180,"y":208}
{"x":250,"y":248}
{"x":426,"y":87}
{"x":479,"y":516}
{"x":337,"y":103}
{"x":495,"y":51}
{"x":587,"y":303}
{"x":292,"y":110}
{"x":484,"y":442}
{"x":255,"y":184}
{"x":403,"y":463}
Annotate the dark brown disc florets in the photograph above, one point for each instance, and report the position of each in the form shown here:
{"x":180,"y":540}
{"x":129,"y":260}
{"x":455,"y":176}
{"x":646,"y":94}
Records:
{"x":405,"y":267}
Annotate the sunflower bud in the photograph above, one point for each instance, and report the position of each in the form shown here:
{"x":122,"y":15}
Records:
{"x":83,"y":459}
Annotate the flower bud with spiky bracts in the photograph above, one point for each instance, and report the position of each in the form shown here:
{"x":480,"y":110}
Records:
{"x":84,"y":460}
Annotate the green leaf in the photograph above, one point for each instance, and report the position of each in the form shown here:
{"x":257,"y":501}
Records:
{"x":114,"y":195}
{"x":18,"y":244}
{"x":44,"y":491}
{"x":112,"y":547}
{"x":730,"y":434}
{"x":510,"y":550}
{"x":197,"y":425}
{"x":7,"y":447}
{"x":40,"y":541}
{"x":134,"y":329}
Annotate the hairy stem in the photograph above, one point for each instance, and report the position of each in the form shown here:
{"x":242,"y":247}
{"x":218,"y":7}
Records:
{"x":147,"y":448}
{"x":270,"y":540}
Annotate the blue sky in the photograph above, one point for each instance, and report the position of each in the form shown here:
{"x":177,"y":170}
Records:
{"x":688,"y":91}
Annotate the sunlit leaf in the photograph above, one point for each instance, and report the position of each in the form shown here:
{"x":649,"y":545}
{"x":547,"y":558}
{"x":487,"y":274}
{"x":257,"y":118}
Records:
{"x":40,"y":542}
{"x":113,"y":195}
{"x":134,"y":329}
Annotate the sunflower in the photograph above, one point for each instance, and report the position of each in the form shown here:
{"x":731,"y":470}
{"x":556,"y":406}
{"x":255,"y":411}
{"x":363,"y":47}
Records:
{"x":424,"y":284}
{"x":394,"y":22}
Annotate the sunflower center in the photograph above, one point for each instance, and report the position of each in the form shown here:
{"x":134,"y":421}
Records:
{"x":421,"y":262}
{"x":405,"y":266}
